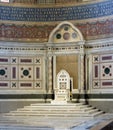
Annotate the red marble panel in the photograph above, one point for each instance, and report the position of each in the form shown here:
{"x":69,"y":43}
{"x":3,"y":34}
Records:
{"x":37,"y":72}
{"x":96,"y":71}
{"x":107,"y":83}
{"x":3,"y":60}
{"x":3,"y":84}
{"x":26,"y":60}
{"x":26,"y":85}
{"x":107,"y":58}
{"x":14,"y":72}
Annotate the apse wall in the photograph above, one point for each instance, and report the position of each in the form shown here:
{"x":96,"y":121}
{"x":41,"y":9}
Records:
{"x":19,"y":60}
{"x":35,"y":22}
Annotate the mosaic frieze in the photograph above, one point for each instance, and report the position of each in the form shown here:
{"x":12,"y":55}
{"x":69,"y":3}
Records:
{"x":33,"y":32}
{"x":36,"y":14}
{"x":21,"y":72}
{"x":103,"y":71}
{"x":23,"y":31}
{"x":98,"y":28}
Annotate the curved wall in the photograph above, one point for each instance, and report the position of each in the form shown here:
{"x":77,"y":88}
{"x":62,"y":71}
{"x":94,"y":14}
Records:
{"x":33,"y":23}
{"x":60,"y":13}
{"x":25,"y":22}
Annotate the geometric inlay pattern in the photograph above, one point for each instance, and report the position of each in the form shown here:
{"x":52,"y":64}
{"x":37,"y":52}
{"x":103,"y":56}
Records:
{"x":106,"y":70}
{"x":73,"y":12}
{"x":21,"y":72}
{"x":96,"y":59}
{"x":4,"y":72}
{"x":96,"y":84}
{"x":103,"y":71}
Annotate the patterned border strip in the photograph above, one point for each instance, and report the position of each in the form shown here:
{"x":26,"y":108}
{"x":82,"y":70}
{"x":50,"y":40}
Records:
{"x":94,"y":30}
{"x":32,"y":14}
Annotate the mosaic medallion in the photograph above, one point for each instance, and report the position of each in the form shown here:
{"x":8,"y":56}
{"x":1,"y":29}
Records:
{"x":74,"y":35}
{"x":106,"y":70}
{"x":66,"y":36}
{"x":2,"y":72}
{"x":25,"y":72}
{"x":66,"y":28}
{"x":58,"y":36}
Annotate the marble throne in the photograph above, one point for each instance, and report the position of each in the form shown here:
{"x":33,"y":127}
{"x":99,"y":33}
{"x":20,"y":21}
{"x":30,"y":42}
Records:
{"x":62,"y":91}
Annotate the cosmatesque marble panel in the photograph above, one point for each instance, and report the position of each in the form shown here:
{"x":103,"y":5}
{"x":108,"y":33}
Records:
{"x":103,"y":71}
{"x":20,"y":72}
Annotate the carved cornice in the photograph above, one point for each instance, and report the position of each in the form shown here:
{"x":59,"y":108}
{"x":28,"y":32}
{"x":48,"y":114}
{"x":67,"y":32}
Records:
{"x":99,"y":44}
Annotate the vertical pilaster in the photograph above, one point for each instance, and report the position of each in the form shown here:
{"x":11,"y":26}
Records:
{"x":81,"y":70}
{"x":50,"y":82}
{"x":90,"y":72}
{"x":54,"y":72}
{"x":86,"y":71}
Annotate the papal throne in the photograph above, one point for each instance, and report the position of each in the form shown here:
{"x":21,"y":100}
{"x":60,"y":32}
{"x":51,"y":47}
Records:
{"x":62,"y":91}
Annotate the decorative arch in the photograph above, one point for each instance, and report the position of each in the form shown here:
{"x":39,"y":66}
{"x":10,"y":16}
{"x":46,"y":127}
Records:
{"x":65,"y":32}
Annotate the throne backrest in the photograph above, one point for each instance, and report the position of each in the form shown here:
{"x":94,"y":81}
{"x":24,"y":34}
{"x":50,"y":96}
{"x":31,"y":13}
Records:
{"x":63,"y":80}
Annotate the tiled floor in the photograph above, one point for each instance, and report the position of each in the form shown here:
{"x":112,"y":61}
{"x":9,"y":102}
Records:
{"x":52,"y":123}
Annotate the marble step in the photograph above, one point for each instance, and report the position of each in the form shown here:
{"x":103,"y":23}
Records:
{"x":97,"y":113}
{"x":49,"y":104}
{"x":53,"y":112}
{"x":16,"y":127}
{"x":57,"y":107}
{"x":89,"y":113}
{"x":50,"y":110}
{"x":89,"y":110}
{"x":49,"y":114}
{"x":29,"y":108}
{"x":57,"y":115}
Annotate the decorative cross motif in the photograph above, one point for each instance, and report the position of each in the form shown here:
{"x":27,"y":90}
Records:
{"x":38,"y":85}
{"x":96,"y":84}
{"x":14,"y":85}
{"x":37,"y":60}
{"x":95,"y":58}
{"x":14,"y":60}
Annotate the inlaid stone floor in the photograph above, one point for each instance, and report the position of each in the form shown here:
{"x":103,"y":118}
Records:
{"x":53,"y":123}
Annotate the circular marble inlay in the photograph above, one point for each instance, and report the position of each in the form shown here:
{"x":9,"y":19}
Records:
{"x":2,"y":72}
{"x":106,"y":70}
{"x":25,"y":72}
{"x":58,"y":36}
{"x":74,"y":35}
{"x":66,"y":28}
{"x":66,"y":36}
